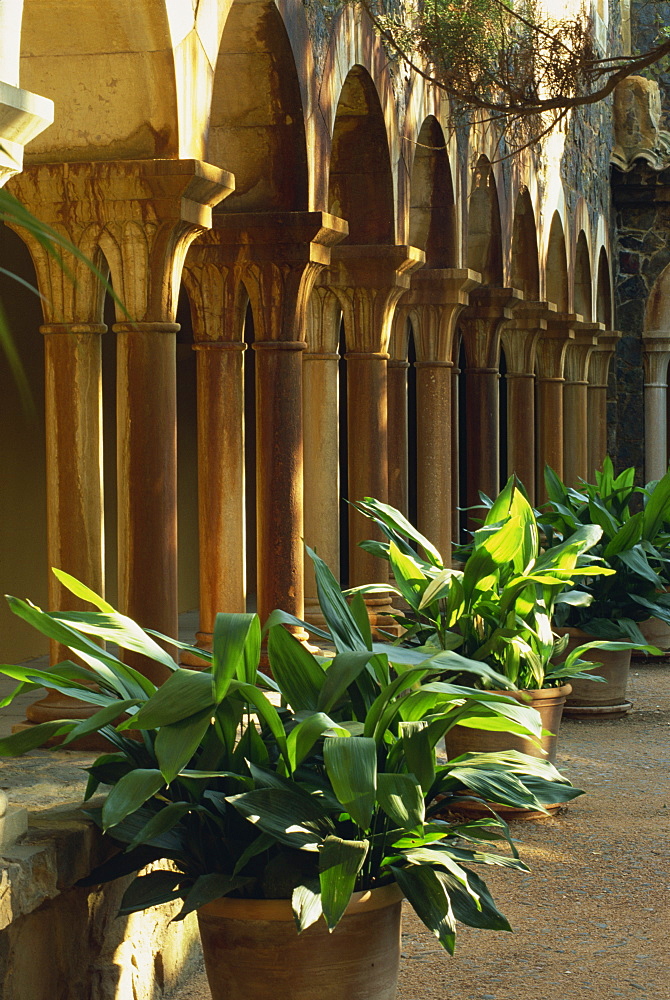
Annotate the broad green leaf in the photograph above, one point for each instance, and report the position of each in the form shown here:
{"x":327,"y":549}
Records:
{"x":410,"y":579}
{"x":29,"y":739}
{"x":263,"y":842}
{"x":267,"y":714}
{"x":497,"y":787}
{"x":627,"y":536}
{"x":657,"y":510}
{"x":131,"y":792}
{"x":438,"y":588}
{"x":359,"y":613}
{"x":401,"y":798}
{"x":184,"y":694}
{"x":351,"y":765}
{"x":295,"y":669}
{"x":162,"y":821}
{"x":81,"y":591}
{"x":206,"y":889}
{"x":102,"y":718}
{"x":483,"y":913}
{"x":343,"y":671}
{"x":151,"y":890}
{"x":176,"y":743}
{"x":114,"y":627}
{"x":302,"y":737}
{"x":419,"y":752}
{"x":291,"y":818}
{"x":306,"y":905}
{"x":236,"y":646}
{"x":339,"y":864}
{"x":429,"y":900}
{"x":343,"y":626}
{"x":390,"y":518}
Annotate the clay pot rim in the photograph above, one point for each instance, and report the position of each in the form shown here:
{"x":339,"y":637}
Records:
{"x":280,"y":909}
{"x":539,"y":694}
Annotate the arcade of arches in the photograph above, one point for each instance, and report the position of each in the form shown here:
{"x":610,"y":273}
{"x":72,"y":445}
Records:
{"x":324,"y":291}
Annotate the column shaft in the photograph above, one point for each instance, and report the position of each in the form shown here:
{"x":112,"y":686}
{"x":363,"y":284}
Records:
{"x":279,"y":468}
{"x":322,"y":468}
{"x":398,"y":488}
{"x":597,"y":424}
{"x":221,"y":515}
{"x":146,"y":410}
{"x":575,"y":441}
{"x":434,"y":453}
{"x":455,"y":457}
{"x":521,"y":430}
{"x":483,"y":434}
{"x":368,"y":464}
{"x":549,"y":399}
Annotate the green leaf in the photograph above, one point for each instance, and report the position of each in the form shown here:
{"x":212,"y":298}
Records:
{"x":343,"y":671}
{"x":102,"y":718}
{"x":392,"y":521}
{"x":114,"y":627}
{"x":627,"y":536}
{"x":29,"y":739}
{"x":636,"y":560}
{"x":290,"y":817}
{"x":343,"y":626}
{"x":426,"y":894}
{"x":302,"y":737}
{"x":176,"y":743}
{"x":497,"y":787}
{"x":81,"y":591}
{"x":306,"y":905}
{"x":351,"y":765}
{"x":419,"y":752}
{"x":410,"y":579}
{"x":485,"y":915}
{"x":295,"y":669}
{"x":359,"y":612}
{"x":206,"y":889}
{"x":151,"y":890}
{"x":162,"y":821}
{"x":184,"y":694}
{"x":657,"y":510}
{"x":236,"y":646}
{"x":131,"y":792}
{"x":401,"y":798}
{"x":339,"y":864}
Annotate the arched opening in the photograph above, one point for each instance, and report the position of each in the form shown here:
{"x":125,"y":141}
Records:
{"x":583,"y":294}
{"x":484,"y":229}
{"x":360,"y":185}
{"x":557,"y":265}
{"x":604,"y":291}
{"x":256,"y":126}
{"x":432,"y":221}
{"x":525,"y":271}
{"x":23,"y":569}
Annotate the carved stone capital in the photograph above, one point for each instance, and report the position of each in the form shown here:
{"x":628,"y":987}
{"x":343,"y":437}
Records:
{"x":437,"y":298}
{"x":553,"y":344}
{"x":481,"y":324}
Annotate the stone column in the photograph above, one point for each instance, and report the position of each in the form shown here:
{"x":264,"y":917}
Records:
{"x":519,"y":338}
{"x":597,"y":405}
{"x":481,"y":325}
{"x":398,"y":412}
{"x":174,"y":200}
{"x":656,"y":347}
{"x":575,"y":403}
{"x":279,"y":256}
{"x":218,"y":305}
{"x":455,"y":452}
{"x":550,"y":362}
{"x":368,"y":281}
{"x":321,"y":437}
{"x":438,"y":297}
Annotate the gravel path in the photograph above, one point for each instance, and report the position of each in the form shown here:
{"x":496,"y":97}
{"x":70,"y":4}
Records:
{"x":592,"y":920}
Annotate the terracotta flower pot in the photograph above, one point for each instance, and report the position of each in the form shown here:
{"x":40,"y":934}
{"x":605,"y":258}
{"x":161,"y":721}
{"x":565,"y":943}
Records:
{"x":253,"y":950}
{"x":591,"y":698}
{"x":657,"y":633}
{"x":548,"y":702}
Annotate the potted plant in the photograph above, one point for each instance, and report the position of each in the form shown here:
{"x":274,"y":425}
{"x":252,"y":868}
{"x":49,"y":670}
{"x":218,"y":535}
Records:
{"x":633,"y":543}
{"x":292,"y":806}
{"x":497,"y":610}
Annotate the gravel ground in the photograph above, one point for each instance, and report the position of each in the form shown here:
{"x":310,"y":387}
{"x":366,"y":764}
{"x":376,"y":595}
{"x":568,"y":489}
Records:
{"x":592,"y":920}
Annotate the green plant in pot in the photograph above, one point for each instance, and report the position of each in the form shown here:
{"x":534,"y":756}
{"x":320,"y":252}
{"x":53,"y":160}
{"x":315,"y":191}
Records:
{"x":497,"y":609}
{"x":634,"y":544}
{"x":303,"y":803}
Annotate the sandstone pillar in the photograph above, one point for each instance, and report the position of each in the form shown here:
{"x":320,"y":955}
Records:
{"x":481,"y":326}
{"x":597,"y":406}
{"x":575,"y":403}
{"x":174,"y":200}
{"x":368,"y":281}
{"x":279,"y":256}
{"x":398,"y":412}
{"x":218,"y":305}
{"x":550,"y":363}
{"x":519,"y":338}
{"x":321,"y":437}
{"x":656,"y":356}
{"x":455,"y":450}
{"x":438,"y":297}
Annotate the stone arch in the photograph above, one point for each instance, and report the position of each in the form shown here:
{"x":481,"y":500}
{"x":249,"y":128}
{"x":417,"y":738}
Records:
{"x":583,"y":296}
{"x":256,"y":126}
{"x":484,"y":228}
{"x":525,"y":269}
{"x":604,"y":291}
{"x":360,"y":187}
{"x":124,"y":104}
{"x":432,"y":217}
{"x":556,"y":265}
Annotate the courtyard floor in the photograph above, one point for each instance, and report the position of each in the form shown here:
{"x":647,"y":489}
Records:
{"x":592,"y":920}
